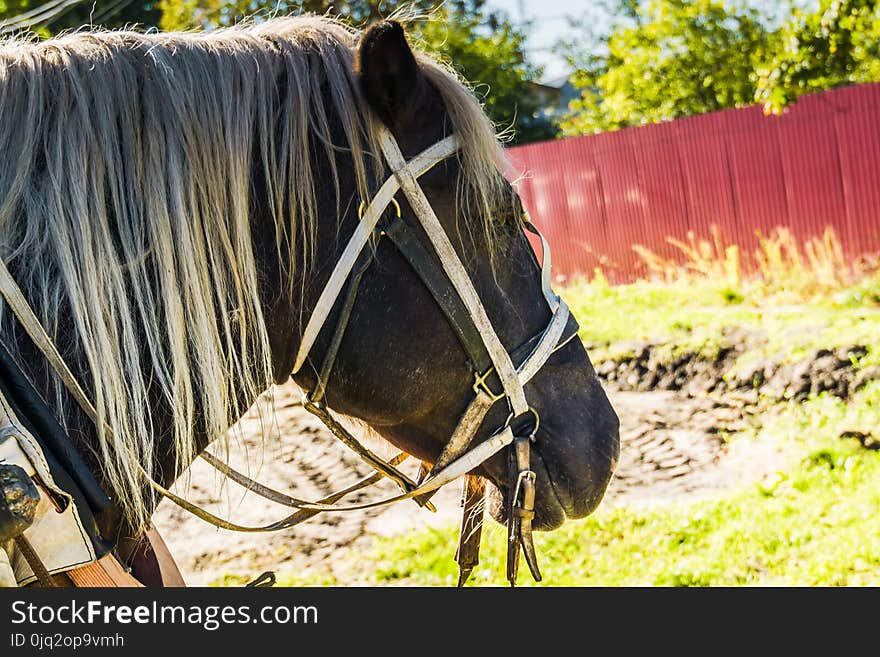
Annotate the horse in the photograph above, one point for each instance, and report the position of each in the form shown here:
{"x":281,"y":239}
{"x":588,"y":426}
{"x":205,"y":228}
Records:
{"x":174,"y":206}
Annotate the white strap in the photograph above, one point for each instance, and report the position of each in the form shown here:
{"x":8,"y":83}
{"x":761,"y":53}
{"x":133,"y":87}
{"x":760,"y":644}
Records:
{"x":454,"y":470}
{"x":418,"y":166}
{"x":546,"y":267}
{"x":456,"y":271}
{"x":476,"y":411}
{"x":546,"y":345}
{"x":461,"y":466}
{"x":32,"y":326}
{"x":466,"y":428}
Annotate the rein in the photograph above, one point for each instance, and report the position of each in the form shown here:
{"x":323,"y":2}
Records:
{"x":446,"y":278}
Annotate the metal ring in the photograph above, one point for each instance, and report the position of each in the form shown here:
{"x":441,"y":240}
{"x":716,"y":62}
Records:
{"x":537,"y":417}
{"x":511,"y":416}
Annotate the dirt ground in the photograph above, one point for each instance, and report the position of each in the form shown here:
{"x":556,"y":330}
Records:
{"x":672,"y":446}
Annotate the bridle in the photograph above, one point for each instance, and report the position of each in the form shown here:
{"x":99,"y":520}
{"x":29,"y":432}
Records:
{"x":443,"y":273}
{"x":449,"y":284}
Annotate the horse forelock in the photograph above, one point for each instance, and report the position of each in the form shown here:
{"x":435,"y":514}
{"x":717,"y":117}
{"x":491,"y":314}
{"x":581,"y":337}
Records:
{"x":127,"y":161}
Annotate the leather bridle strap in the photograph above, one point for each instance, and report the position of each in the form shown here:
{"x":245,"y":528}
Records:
{"x":467,"y":555}
{"x":367,"y":224}
{"x":455,"y":270}
{"x":432,"y":274}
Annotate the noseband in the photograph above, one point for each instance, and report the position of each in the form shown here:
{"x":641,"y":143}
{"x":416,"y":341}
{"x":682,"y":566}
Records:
{"x":443,"y":273}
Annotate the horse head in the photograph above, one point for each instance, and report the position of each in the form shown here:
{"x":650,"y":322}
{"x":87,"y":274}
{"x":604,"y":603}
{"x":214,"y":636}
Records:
{"x":401,"y":368}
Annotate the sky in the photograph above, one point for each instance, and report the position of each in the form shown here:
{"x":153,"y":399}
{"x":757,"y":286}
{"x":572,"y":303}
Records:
{"x":549,"y":26}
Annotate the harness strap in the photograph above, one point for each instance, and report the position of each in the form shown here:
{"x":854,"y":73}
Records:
{"x":32,"y":326}
{"x":314,"y":402}
{"x":455,"y":271}
{"x":473,"y":502}
{"x":435,"y":279}
{"x":522,"y":511}
{"x":33,"y":560}
{"x":462,"y":466}
{"x":546,"y":265}
{"x":470,"y":422}
{"x":344,"y":435}
{"x":417,"y":167}
{"x":363,"y":261}
{"x":466,"y":429}
{"x":286,"y":500}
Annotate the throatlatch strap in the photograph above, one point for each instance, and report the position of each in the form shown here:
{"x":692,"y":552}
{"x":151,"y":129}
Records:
{"x":467,"y":555}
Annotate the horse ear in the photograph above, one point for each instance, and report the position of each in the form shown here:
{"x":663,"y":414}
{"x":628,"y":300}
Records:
{"x":387,"y":71}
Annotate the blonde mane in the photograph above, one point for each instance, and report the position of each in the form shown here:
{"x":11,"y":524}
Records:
{"x":126,"y":161}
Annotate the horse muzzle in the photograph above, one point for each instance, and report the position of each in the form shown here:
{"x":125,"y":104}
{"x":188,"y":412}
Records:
{"x":563,"y":492}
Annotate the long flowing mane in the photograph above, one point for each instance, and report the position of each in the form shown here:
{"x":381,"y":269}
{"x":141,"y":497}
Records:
{"x":126,"y":162}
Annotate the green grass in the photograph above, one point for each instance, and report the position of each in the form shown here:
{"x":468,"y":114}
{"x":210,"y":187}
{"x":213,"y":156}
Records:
{"x":816,"y":523}
{"x":692,"y":316}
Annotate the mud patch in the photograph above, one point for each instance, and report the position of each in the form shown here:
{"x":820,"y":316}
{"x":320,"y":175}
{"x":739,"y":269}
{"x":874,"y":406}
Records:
{"x":672,"y":447}
{"x":647,"y":366}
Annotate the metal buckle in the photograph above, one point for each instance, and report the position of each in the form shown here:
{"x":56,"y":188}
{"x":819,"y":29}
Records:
{"x":481,"y":385}
{"x":524,"y":476}
{"x":534,"y":431}
{"x":363,"y":208}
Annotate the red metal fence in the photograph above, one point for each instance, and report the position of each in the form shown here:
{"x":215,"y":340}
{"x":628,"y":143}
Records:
{"x":818,"y":165}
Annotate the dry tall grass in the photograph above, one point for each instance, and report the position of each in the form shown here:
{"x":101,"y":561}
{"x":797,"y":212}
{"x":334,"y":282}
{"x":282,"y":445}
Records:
{"x":779,"y":263}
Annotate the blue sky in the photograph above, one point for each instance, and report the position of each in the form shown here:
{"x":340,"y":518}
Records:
{"x":549,"y":26}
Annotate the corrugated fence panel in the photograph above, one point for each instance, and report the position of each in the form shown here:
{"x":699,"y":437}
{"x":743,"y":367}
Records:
{"x":858,"y":130}
{"x":738,"y":170}
{"x":702,"y":147}
{"x":756,"y":170}
{"x":814,"y":184}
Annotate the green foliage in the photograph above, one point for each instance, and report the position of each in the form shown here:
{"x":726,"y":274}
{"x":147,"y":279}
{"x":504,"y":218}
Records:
{"x":837,"y":45}
{"x":672,"y":58}
{"x":494,"y":61}
{"x":694,"y":316}
{"x":484,"y":46}
{"x":145,"y":13}
{"x":188,"y":14}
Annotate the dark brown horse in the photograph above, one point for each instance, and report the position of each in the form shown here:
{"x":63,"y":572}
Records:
{"x":173,"y":205}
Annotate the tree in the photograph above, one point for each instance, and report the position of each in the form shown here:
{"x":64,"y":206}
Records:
{"x":667,"y":59}
{"x":486,"y":48}
{"x":187,"y":14}
{"x":57,"y":17}
{"x":494,"y":61}
{"x":837,"y":44}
